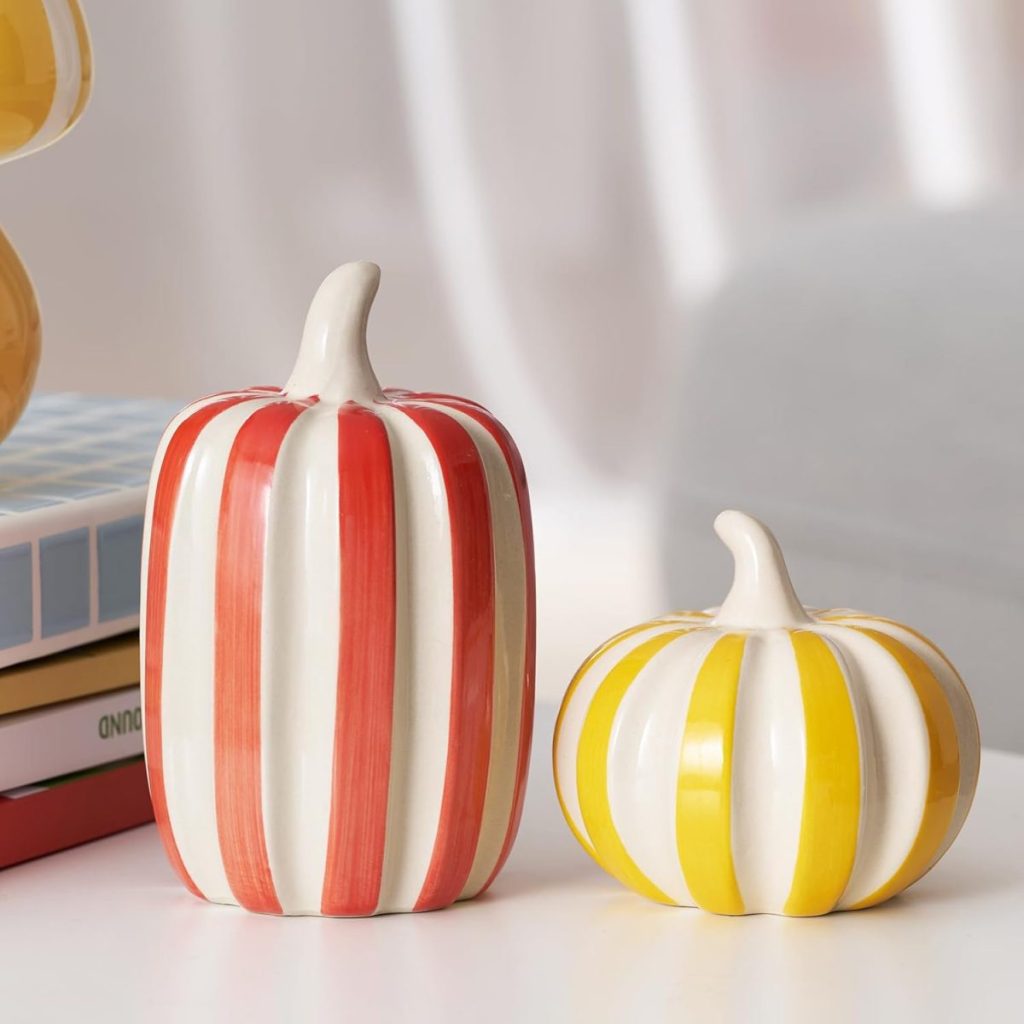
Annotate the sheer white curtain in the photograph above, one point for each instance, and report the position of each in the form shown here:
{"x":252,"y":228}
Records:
{"x":555,"y":192}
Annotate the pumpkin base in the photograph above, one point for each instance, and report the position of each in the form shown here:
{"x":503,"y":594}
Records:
{"x":235,"y":905}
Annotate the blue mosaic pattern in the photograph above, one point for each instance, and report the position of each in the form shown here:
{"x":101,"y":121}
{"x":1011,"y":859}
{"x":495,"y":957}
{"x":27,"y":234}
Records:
{"x":67,"y":448}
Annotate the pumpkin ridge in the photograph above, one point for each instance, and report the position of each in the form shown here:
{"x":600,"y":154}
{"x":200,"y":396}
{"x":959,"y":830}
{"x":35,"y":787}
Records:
{"x":570,"y":693}
{"x":592,"y":766}
{"x":832,"y":779}
{"x":944,"y":769}
{"x":704,"y":787}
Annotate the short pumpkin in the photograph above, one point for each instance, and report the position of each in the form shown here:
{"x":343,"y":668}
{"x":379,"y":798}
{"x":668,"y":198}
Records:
{"x":765,"y":757}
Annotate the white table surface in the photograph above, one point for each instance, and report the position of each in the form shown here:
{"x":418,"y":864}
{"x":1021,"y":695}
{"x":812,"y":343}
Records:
{"x":105,"y":933}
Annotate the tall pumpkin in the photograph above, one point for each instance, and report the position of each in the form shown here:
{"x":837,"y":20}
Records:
{"x":764,"y":757}
{"x":338,"y":626}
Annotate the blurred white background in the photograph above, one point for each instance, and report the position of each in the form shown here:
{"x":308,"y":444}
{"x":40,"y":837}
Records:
{"x":694,"y":254}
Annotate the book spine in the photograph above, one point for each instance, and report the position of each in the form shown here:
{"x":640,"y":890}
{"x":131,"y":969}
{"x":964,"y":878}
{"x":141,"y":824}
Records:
{"x":74,"y":812}
{"x":101,"y":667}
{"x":68,"y":737}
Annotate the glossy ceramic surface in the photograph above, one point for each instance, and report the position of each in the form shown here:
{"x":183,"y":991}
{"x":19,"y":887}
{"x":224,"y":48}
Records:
{"x":339,"y":636}
{"x":764,"y":757}
{"x":45,"y":72}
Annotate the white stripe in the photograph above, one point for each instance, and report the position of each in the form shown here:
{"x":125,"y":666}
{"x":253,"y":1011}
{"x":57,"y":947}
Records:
{"x":643,"y":753}
{"x":964,"y":718}
{"x":574,"y":712}
{"x":509,"y":651}
{"x":158,"y":459}
{"x":423,"y":661}
{"x":768,"y":771}
{"x":895,"y":759}
{"x":188,"y":691}
{"x":299,"y":658}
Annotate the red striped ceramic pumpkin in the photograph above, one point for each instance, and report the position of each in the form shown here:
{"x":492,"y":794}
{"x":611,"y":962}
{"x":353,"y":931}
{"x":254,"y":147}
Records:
{"x":339,"y":636}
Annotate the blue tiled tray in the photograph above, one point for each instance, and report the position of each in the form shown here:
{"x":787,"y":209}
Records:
{"x":73,"y":478}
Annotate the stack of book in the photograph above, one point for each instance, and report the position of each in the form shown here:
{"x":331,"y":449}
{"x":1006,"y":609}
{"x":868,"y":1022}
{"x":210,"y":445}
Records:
{"x":73,"y":479}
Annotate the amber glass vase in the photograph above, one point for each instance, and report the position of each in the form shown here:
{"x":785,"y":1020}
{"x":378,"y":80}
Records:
{"x":45,"y":78}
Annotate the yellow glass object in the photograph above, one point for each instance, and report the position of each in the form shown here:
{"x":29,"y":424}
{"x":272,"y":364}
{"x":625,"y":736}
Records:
{"x":45,"y":72}
{"x":45,"y":78}
{"x":20,"y":336}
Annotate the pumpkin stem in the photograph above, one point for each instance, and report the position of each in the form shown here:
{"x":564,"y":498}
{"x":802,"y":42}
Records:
{"x":762,"y":595}
{"x":333,"y":362}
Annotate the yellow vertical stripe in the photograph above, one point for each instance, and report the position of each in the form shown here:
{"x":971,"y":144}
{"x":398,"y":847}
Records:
{"x":587,"y":665}
{"x":592,"y":767}
{"x":832,"y":781}
{"x":944,"y":768}
{"x":704,"y":794}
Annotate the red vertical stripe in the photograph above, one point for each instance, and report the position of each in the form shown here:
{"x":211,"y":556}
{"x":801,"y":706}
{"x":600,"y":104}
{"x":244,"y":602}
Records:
{"x":469,"y":729}
{"x":515,"y":465}
{"x":165,"y":501}
{"x":241,"y":538}
{"x":366,"y":666}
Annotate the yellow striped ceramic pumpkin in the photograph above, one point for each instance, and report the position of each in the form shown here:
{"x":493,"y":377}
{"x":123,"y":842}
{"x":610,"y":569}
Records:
{"x":764,"y":757}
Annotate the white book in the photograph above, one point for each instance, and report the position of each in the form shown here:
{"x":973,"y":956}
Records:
{"x":62,"y":738}
{"x":73,"y":481}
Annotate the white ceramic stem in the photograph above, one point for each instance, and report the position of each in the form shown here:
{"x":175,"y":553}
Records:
{"x":762,"y":595}
{"x":333,"y":362}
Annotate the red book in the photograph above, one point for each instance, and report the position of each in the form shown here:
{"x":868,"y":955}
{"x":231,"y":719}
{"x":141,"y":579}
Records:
{"x":73,"y":809}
